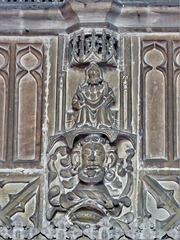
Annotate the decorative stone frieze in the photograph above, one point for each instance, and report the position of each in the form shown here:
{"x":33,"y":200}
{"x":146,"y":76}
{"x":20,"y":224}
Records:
{"x":102,"y":230}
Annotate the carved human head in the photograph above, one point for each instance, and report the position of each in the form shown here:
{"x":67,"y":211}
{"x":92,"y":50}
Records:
{"x":94,"y":74}
{"x":93,"y":157}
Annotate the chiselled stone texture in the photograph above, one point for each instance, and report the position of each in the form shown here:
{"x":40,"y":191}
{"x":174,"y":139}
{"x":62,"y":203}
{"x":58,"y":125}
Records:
{"x":89,"y":120}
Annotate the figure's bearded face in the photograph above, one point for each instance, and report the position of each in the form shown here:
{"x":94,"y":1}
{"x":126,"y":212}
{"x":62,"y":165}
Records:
{"x":92,"y":170}
{"x":94,"y":76}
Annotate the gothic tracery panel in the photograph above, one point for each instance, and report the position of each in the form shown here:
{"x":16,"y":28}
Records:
{"x":28,"y":106}
{"x":154,"y":100}
{"x":20,"y":196}
{"x":160,"y":198}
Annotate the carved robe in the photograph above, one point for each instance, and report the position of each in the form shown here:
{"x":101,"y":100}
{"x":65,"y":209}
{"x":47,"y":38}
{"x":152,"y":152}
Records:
{"x":92,"y":103}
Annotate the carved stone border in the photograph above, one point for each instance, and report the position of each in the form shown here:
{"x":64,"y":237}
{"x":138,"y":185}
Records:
{"x":103,"y":230}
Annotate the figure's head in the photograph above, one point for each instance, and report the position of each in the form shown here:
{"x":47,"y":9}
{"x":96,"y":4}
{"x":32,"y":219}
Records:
{"x":93,"y":154}
{"x":96,"y":156}
{"x":94,"y":74}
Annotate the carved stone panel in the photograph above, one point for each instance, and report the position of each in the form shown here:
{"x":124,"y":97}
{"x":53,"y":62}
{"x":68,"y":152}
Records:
{"x":92,"y":158}
{"x":160,"y":198}
{"x":23,"y":97}
{"x":160,"y":141}
{"x":83,"y":182}
{"x":21,"y":195}
{"x":29,"y":63}
{"x":89,"y":120}
{"x":155,"y":94}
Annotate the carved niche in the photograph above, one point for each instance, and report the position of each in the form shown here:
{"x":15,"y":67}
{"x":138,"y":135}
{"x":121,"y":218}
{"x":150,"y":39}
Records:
{"x":91,"y":171}
{"x":21,"y":112}
{"x":28,"y":108}
{"x":155,"y":97}
{"x":92,"y":101}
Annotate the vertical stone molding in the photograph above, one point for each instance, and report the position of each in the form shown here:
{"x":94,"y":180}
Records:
{"x":4,"y":96}
{"x":176,"y":93}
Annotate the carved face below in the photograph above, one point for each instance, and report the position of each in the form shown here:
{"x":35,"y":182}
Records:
{"x":94,"y":76}
{"x":92,"y":170}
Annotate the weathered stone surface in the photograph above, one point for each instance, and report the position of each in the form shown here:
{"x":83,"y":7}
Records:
{"x":89,"y":120}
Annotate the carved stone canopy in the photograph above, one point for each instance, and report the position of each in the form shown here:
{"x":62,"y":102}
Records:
{"x":70,"y":136}
{"x":94,"y":46}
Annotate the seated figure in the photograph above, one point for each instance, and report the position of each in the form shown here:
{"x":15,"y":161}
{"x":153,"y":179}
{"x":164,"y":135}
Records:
{"x":92,"y":101}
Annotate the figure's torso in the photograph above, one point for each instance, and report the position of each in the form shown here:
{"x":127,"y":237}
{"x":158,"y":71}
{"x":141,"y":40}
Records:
{"x":93,"y":95}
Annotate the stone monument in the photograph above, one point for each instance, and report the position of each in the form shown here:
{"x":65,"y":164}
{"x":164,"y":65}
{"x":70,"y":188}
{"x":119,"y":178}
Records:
{"x":89,"y":119}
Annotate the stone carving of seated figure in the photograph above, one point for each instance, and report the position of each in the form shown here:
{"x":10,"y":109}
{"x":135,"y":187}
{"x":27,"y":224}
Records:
{"x":92,"y":101}
{"x":90,"y":200}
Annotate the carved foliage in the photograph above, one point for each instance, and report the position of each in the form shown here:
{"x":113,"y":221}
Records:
{"x":154,"y":64}
{"x":176,"y":84}
{"x":4,"y":88}
{"x":28,"y":94}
